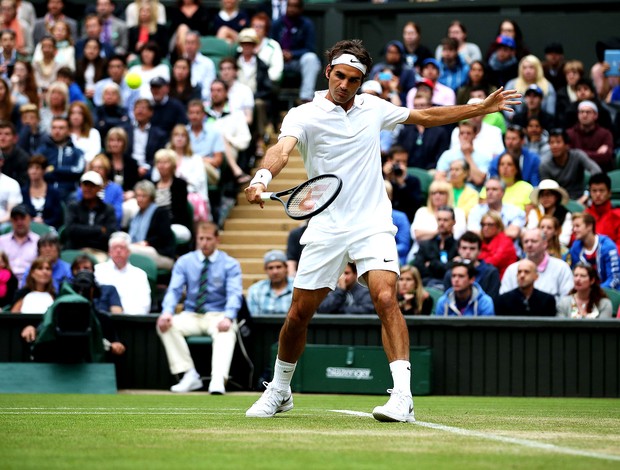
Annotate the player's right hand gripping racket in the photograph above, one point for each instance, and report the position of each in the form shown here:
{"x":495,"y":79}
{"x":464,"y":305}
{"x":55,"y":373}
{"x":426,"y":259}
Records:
{"x":309,"y":198}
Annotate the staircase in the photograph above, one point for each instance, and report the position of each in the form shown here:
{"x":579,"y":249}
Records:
{"x":249,"y":232}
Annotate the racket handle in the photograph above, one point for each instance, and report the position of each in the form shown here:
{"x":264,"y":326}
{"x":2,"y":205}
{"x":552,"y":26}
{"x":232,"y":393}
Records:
{"x":266,"y":196}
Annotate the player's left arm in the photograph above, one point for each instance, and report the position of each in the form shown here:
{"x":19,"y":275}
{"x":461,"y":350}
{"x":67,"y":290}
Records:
{"x":500,"y":100}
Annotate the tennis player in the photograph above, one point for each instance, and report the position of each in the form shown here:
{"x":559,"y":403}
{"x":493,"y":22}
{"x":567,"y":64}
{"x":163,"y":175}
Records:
{"x":338,"y":132}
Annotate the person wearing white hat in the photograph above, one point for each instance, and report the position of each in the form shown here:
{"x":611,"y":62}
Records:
{"x":587,"y":135}
{"x":549,"y":198}
{"x":274,"y":294}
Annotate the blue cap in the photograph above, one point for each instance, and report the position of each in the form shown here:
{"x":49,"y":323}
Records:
{"x":432,"y":61}
{"x":506,"y":41}
{"x":533,"y":88}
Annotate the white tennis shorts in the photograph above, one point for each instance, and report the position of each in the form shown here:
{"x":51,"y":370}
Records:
{"x":322,"y":262}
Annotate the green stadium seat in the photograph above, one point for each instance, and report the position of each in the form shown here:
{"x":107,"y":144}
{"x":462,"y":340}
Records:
{"x":435,"y":294}
{"x":425,"y":180}
{"x":614,"y":296}
{"x":614,"y":176}
{"x":40,"y":228}
{"x":574,"y":206}
{"x":70,"y":255}
{"x":216,"y":49}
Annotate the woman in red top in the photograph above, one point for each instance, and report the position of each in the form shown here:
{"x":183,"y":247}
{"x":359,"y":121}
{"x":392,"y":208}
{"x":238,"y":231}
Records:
{"x":497,"y":247}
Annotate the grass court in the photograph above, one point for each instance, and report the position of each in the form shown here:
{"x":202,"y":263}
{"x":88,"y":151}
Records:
{"x":140,"y":431}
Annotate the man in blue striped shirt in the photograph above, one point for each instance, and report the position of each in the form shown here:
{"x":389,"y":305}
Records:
{"x":211,"y":280}
{"x":273,"y":295}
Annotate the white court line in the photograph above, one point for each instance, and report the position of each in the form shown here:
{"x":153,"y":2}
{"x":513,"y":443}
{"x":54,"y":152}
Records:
{"x":504,"y":439}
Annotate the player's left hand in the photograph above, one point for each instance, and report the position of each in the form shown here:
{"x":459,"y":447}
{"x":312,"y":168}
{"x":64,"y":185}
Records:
{"x":502,"y":100}
{"x":225,"y":324}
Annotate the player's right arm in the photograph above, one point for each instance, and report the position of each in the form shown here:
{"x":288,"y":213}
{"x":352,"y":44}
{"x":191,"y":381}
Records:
{"x":275,"y":160}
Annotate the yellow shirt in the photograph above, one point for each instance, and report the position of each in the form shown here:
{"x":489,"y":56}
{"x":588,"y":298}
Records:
{"x":518,"y":194}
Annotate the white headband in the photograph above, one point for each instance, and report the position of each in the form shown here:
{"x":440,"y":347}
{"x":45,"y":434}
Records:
{"x":349,"y":59}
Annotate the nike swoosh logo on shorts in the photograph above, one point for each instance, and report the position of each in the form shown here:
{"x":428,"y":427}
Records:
{"x":387,"y":260}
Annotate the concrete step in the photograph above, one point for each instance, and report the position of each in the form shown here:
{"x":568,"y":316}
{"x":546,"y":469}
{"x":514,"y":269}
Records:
{"x":252,"y":211}
{"x":240,"y":251}
{"x":250,"y":237}
{"x":249,"y":279}
{"x":259,"y":224}
{"x":252,"y":265}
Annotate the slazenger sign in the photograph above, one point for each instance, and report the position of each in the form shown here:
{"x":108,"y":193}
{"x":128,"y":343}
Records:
{"x":348,"y":373}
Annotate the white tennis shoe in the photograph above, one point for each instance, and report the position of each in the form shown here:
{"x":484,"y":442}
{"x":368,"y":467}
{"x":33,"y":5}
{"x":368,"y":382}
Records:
{"x":399,"y":408}
{"x":272,"y":401}
{"x":190,"y":382}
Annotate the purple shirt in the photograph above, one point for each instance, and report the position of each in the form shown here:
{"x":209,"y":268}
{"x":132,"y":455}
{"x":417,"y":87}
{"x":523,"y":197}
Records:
{"x":21,"y":255}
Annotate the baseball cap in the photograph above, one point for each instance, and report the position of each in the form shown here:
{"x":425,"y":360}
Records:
{"x":19,"y":209}
{"x":248,"y":35}
{"x":431,"y":61}
{"x":92,"y":177}
{"x":158,"y":81}
{"x":554,"y":48}
{"x":426,"y":82}
{"x":505,"y":41}
{"x":274,"y":255}
{"x":372,"y":85}
{"x":533,"y":88}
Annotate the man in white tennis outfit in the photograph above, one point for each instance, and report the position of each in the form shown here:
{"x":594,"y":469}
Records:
{"x":338,"y":132}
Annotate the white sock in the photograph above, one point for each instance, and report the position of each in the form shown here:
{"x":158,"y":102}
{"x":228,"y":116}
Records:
{"x":401,"y":374}
{"x":283,"y":374}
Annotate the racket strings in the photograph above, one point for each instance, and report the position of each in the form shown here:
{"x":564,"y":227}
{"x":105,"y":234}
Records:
{"x":312,"y":197}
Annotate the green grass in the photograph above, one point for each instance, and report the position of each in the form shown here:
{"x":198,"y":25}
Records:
{"x":201,"y":431}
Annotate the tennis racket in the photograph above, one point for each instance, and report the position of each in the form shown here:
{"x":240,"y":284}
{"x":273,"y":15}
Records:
{"x":309,"y":198}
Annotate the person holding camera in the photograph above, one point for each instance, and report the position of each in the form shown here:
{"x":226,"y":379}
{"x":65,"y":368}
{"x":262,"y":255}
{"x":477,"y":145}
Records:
{"x":406,"y":188}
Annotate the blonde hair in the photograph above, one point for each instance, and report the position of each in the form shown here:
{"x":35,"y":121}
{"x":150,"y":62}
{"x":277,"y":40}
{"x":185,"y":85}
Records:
{"x":60,"y":87}
{"x":495,"y":217}
{"x":553,"y":243}
{"x":444,"y":187}
{"x":118,"y":132}
{"x":153,"y":6}
{"x":167,"y":154}
{"x":187,"y":149}
{"x":521,"y":85}
{"x":419,"y":288}
{"x":105,"y":163}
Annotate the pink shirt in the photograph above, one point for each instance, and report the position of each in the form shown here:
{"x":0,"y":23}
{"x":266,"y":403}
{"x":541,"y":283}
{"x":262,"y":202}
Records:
{"x":21,"y":255}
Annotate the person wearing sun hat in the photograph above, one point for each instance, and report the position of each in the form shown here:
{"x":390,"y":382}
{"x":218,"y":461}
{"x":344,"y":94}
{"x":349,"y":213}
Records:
{"x":549,"y":198}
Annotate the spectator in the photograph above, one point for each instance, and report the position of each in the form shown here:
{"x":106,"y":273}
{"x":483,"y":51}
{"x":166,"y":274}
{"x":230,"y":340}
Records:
{"x":189,"y":16}
{"x":8,"y":282}
{"x":46,"y":68}
{"x":424,"y":146}
{"x":90,"y":221}
{"x":10,"y":195}
{"x":167,"y":111}
{"x":21,"y":31}
{"x":387,"y":90}
{"x":268,"y":50}
{"x":144,"y":138}
{"x":413,"y":299}
{"x":272,"y":295}
{"x":533,"y":108}
{"x":415,"y":52}
{"x":487,"y":275}
{"x":124,"y":169}
{"x":531,"y":73}
{"x":130,"y":282}
{"x":56,"y":104}
{"x":48,"y":247}
{"x":43,"y":26}
{"x":554,"y":276}
{"x":38,"y":293}
{"x":148,"y":29}
{"x":554,"y":65}
{"x":400,"y":75}
{"x":467,"y":50}
{"x":83,"y":135}
{"x":111,"y":192}
{"x":90,"y":67}
{"x":26,"y":13}
{"x":529,"y":163}
{"x":477,"y":78}
{"x":406,"y":187}
{"x":567,"y":166}
{"x":549,"y":198}
{"x":349,"y":296}
{"x":65,"y":52}
{"x":23,"y":85}
{"x":111,"y":114}
{"x":41,"y":200}
{"x":537,"y":140}
{"x":172,"y":195}
{"x":454,"y":69}
{"x":488,"y":138}
{"x":15,"y":159}
{"x":67,"y":76}
{"x":403,"y":228}
{"x":607,"y":218}
{"x":586,"y":92}
{"x":497,"y":247}
{"x":113,"y":29}
{"x":465,"y":196}
{"x":511,"y":29}
{"x":294,"y":248}
{"x":212,"y":280}
{"x":93,"y":27}
{"x":513,"y":218}
{"x":586,"y":299}
{"x":150,"y":67}
{"x":65,"y":162}
{"x":202,"y":68}
{"x":116,"y":69}
{"x":441,"y":95}
{"x":435,"y":254}
{"x":573,"y":72}
{"x":553,"y":230}
{"x":20,"y":245}
{"x":598,"y":251}
{"x":229,"y":21}
{"x":181,"y":88}
{"x":132,"y":13}
{"x":587,"y":135}
{"x":150,"y":231}
{"x":296,"y":36}
{"x":503,"y":62}
{"x":465,"y":298}
{"x":525,"y":300}
{"x":240,"y":96}
{"x":516,"y":191}
{"x":477,"y":160}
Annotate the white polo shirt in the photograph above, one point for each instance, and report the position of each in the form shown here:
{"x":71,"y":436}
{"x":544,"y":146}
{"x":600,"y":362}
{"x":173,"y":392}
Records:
{"x":332,"y":140}
{"x":130,"y":282}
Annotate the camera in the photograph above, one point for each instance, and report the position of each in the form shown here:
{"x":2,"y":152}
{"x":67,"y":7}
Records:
{"x":397,"y":170}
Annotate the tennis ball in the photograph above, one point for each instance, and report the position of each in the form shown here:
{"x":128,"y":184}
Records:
{"x":133,"y":80}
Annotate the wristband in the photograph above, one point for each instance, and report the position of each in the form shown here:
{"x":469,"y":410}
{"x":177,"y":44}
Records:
{"x":263,"y":176}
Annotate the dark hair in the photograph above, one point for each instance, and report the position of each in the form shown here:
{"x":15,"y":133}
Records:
{"x":350,"y":46}
{"x":208,"y":226}
{"x":450,"y":43}
{"x":187,"y":90}
{"x":8,"y":125}
{"x":223,"y":83}
{"x":515,"y":162}
{"x":559,"y":132}
{"x":49,"y":239}
{"x":154,"y":48}
{"x":353,"y":267}
{"x":145,"y":101}
{"x":587,"y":218}
{"x":516,"y":128}
{"x":65,"y":72}
{"x":471,"y":237}
{"x":471,"y":272}
{"x":228,"y":60}
{"x":37,"y":159}
{"x":447,"y":209}
{"x":586,"y":82}
{"x":596,"y":293}
{"x":599,"y":178}
{"x":394,"y":149}
{"x":90,"y":16}
{"x":80,"y":259}
{"x":8,"y":31}
{"x":116,"y":57}
{"x":30,"y":282}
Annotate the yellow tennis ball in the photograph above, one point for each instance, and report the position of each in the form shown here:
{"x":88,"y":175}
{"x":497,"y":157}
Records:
{"x":133,"y":80}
